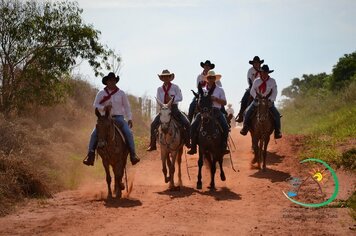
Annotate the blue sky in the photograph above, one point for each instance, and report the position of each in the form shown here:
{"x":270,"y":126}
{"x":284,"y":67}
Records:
{"x":294,"y":37}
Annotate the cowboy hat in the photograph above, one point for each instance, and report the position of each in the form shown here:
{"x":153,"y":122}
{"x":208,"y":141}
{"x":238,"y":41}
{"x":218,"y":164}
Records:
{"x":211,"y":73}
{"x":110,"y":76}
{"x":166,"y":73}
{"x":265,"y":68}
{"x":207,"y":63}
{"x":256,"y":59}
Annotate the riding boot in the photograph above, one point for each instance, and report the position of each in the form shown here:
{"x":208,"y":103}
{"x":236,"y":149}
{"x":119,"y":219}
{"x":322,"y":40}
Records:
{"x":152,"y":143}
{"x":89,"y":159}
{"x":225,"y":149}
{"x":134,"y":158}
{"x":244,"y":130}
{"x":187,"y":139}
{"x":240,"y":117}
{"x":277,"y":134}
{"x":193,"y":149}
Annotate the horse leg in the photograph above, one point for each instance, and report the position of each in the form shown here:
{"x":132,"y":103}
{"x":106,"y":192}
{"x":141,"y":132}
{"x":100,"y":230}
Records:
{"x":172,"y":170}
{"x":265,"y":153}
{"x":255,"y":150}
{"x":108,"y":177}
{"x":260,"y":152}
{"x":212,"y":163}
{"x":200,"y":165}
{"x":164,"y":166}
{"x":222,"y":174}
{"x":179,"y":160}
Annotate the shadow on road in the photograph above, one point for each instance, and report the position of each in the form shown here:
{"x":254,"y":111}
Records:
{"x":273,"y":175}
{"x":122,"y":202}
{"x":183,"y":192}
{"x":222,"y":195}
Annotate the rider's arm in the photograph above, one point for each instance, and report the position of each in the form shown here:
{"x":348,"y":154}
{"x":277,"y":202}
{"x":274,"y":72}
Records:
{"x":98,"y":98}
{"x":274,"y":91}
{"x":178,"y":97}
{"x":126,"y":105}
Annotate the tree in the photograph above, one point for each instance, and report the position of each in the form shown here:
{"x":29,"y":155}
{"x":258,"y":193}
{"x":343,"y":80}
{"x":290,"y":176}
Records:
{"x":306,"y":84}
{"x":344,"y":72}
{"x":39,"y":45}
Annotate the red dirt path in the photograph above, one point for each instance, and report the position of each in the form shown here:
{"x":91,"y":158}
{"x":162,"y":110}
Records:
{"x":249,"y":202}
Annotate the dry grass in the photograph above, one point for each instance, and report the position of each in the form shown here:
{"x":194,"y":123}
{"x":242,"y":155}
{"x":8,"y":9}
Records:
{"x":41,"y":150}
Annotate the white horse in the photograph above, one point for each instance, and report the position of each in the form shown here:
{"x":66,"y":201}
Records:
{"x":171,"y":142}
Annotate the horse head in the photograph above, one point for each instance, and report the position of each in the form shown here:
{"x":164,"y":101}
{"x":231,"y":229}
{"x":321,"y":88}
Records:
{"x":263,"y":106}
{"x":205,"y":104}
{"x":165,"y":114}
{"x":103,"y":127}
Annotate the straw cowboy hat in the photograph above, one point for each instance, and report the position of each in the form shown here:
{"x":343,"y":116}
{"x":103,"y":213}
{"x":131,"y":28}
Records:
{"x":265,"y":68}
{"x":256,"y":59}
{"x":109,"y":76}
{"x":166,"y":73}
{"x":211,"y":73}
{"x":207,"y":63}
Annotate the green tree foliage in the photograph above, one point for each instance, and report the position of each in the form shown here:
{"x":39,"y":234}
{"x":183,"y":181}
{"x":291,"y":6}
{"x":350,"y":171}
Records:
{"x":40,"y":42}
{"x":344,"y":72}
{"x":305,"y":85}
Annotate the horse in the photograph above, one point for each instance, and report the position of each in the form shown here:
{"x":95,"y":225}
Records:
{"x":209,"y":139}
{"x":113,"y":151}
{"x":171,"y":143}
{"x":261,"y":128}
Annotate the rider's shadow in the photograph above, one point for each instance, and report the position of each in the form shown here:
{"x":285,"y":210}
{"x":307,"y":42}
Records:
{"x":273,"y":175}
{"x":224,"y":194}
{"x":183,"y":192}
{"x":122,"y":202}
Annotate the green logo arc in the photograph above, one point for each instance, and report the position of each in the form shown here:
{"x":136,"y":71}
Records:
{"x":333,"y":196}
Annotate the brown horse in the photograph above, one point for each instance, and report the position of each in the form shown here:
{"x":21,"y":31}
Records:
{"x":113,"y":151}
{"x":261,"y":128}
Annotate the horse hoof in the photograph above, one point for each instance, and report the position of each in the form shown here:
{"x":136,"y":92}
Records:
{"x":212,"y":188}
{"x":122,"y":186}
{"x":166,"y":179}
{"x":199,"y":185}
{"x":222,"y":177}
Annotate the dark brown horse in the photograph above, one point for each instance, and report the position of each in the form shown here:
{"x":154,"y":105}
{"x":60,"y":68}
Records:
{"x":113,"y":151}
{"x":261,"y":128}
{"x":210,"y":138}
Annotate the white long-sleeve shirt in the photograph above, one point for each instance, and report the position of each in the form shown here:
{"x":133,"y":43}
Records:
{"x":119,"y":102}
{"x":252,"y":74}
{"x":270,"y":85}
{"x":174,"y":91}
{"x":218,"y":93}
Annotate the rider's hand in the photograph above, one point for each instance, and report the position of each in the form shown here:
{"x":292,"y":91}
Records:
{"x":270,"y":103}
{"x":214,"y":99}
{"x":130,"y":124}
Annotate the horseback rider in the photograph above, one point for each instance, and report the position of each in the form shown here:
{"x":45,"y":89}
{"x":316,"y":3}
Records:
{"x":252,"y":74}
{"x":165,"y":93}
{"x":266,"y":86}
{"x":207,"y":65}
{"x":218,"y":98}
{"x":113,"y":99}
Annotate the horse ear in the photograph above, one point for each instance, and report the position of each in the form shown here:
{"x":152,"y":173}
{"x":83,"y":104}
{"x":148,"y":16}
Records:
{"x":170,"y":103}
{"x":97,"y":113}
{"x":159,"y":102}
{"x":200,"y":90}
{"x":107,"y":113}
{"x":195,"y":94}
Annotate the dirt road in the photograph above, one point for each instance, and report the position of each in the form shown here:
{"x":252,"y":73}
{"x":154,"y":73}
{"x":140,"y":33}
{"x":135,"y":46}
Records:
{"x":249,"y":202}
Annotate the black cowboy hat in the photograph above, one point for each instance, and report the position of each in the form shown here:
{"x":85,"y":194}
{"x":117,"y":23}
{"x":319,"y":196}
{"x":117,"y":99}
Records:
{"x":207,"y":63}
{"x":256,"y":59}
{"x":110,"y":76}
{"x":265,"y":68}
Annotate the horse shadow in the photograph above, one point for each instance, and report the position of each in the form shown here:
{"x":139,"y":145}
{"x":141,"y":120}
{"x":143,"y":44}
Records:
{"x":224,"y":194}
{"x":272,"y":175}
{"x":273,"y":158}
{"x":183,"y":192}
{"x":122,"y":203}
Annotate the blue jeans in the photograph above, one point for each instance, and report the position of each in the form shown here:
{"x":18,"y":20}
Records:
{"x":276,"y":116}
{"x":125,"y":130}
